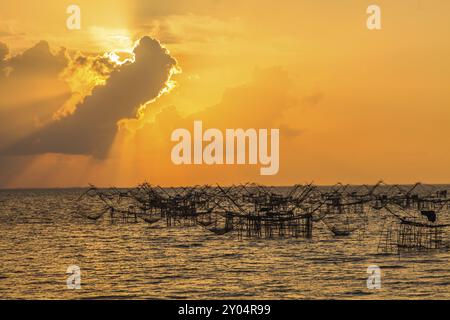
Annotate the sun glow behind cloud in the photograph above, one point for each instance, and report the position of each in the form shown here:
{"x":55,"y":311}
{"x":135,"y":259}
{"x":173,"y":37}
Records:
{"x":112,"y":39}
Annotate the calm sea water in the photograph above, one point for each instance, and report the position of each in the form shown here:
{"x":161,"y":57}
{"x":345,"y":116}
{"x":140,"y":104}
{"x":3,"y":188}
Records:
{"x":40,"y":237}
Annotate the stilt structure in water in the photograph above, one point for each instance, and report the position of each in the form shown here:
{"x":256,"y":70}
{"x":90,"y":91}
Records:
{"x":416,"y":218}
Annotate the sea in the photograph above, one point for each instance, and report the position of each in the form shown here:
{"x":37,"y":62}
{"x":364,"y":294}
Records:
{"x":42,"y":238}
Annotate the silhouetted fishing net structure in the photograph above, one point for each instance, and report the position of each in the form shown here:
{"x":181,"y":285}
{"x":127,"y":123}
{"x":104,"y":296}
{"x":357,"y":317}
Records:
{"x":414,"y":218}
{"x":257,"y":211}
{"x":419,"y":219}
{"x":345,"y":208}
{"x":177,"y":206}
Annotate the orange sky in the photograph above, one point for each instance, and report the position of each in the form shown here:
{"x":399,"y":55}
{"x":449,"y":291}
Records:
{"x":352,"y":105}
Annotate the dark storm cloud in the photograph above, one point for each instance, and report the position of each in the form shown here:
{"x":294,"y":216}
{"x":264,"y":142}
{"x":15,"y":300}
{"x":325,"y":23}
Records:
{"x":30,"y":91}
{"x":90,"y":130}
{"x":38,"y":60}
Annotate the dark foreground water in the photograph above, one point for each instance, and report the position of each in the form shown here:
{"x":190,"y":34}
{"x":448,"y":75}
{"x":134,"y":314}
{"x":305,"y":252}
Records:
{"x":40,"y":238}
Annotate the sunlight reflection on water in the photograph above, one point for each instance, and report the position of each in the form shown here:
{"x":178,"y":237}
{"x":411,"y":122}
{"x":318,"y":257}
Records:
{"x":41,"y":237}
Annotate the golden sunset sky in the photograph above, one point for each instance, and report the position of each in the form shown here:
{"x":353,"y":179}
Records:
{"x":352,"y":105}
